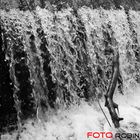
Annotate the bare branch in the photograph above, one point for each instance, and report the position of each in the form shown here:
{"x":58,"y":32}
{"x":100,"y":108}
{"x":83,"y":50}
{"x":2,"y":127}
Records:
{"x":109,"y":95}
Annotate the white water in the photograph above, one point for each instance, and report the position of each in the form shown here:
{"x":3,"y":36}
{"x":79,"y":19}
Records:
{"x":73,"y":124}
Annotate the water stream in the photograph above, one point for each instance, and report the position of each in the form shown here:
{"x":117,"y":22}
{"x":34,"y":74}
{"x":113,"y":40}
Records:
{"x":54,"y":62}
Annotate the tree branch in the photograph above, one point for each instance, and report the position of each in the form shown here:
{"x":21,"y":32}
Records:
{"x":109,"y":103}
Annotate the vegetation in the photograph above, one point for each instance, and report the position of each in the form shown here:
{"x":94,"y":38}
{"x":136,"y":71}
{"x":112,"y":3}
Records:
{"x":106,"y":4}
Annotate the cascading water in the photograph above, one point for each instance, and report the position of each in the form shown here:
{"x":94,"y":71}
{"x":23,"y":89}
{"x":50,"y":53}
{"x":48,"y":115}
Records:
{"x":55,"y":60}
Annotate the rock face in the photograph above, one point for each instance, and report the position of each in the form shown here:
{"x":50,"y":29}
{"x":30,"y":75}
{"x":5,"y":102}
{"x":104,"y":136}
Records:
{"x":107,"y":4}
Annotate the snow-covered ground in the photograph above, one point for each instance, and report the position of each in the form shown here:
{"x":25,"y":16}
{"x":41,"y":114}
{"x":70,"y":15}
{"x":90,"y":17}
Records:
{"x":73,"y":124}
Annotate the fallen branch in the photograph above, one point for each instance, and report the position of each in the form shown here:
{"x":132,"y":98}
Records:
{"x":109,"y":103}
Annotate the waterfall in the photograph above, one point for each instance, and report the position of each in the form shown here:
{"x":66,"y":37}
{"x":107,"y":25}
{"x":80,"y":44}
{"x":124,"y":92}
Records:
{"x":54,"y":59}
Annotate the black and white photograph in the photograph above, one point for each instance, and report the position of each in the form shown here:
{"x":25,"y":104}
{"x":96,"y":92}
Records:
{"x":69,"y":69}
